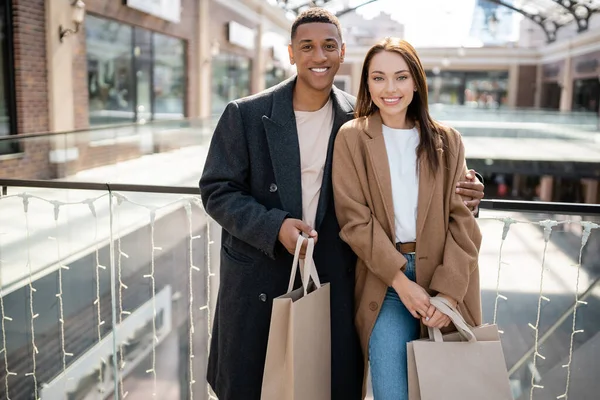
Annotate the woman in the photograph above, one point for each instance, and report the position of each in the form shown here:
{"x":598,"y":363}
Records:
{"x":394,"y":176}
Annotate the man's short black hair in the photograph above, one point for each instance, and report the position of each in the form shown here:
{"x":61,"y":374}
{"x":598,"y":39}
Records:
{"x":316,"y":14}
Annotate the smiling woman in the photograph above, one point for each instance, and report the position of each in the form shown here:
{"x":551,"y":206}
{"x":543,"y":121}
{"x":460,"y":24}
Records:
{"x":395,"y":172}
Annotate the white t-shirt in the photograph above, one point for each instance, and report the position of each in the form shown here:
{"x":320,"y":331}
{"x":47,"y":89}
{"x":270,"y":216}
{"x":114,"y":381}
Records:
{"x":401,"y":146}
{"x":314,"y":130}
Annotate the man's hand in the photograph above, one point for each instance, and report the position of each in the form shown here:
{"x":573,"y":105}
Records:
{"x":290,"y":230}
{"x":471,"y":191}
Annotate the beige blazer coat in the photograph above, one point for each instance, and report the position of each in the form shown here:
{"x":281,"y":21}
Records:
{"x":448,"y":237}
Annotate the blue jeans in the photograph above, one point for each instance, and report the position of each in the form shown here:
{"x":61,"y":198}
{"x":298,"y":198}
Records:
{"x":395,"y":326}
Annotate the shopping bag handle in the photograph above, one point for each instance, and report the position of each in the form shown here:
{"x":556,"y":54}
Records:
{"x":444,"y":306}
{"x":310,"y":271}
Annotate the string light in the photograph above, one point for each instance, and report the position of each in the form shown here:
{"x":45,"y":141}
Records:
{"x":4,"y":350}
{"x":547,"y":225}
{"x":507,"y":223}
{"x":153,"y":291}
{"x":587,"y":229}
{"x":100,"y":322}
{"x":122,"y":287}
{"x":188,"y":210}
{"x":59,"y":295}
{"x":210,"y":274}
{"x":32,"y":290}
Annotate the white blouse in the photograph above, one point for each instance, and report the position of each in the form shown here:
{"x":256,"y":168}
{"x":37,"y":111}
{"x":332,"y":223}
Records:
{"x":401,"y":146}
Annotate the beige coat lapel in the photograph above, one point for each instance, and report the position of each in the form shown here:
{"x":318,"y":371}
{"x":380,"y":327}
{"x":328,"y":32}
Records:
{"x":379,"y":160}
{"x":427,"y":184}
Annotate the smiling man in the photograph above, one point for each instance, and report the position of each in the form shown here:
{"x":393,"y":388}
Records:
{"x":267,"y":179}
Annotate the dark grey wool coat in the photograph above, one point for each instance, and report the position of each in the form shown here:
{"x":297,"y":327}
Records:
{"x":250,"y":184}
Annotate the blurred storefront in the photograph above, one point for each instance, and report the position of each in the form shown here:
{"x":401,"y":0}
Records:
{"x":137,"y":61}
{"x":247,"y":50}
{"x":233,"y":47}
{"x":483,"y":89}
{"x":551,"y":88}
{"x":586,"y":82}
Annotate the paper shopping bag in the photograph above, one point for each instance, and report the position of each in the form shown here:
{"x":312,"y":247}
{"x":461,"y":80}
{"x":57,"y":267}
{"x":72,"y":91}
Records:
{"x":298,"y":360}
{"x":464,"y":365}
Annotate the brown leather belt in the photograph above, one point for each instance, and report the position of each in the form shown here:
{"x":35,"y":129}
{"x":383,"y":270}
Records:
{"x":406,"y":248}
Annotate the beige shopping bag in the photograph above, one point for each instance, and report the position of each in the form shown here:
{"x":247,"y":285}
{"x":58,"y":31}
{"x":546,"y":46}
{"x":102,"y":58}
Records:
{"x":298,"y":361}
{"x":464,"y":365}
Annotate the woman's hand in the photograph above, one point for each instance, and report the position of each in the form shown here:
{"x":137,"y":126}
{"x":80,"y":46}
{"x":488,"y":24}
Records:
{"x":413,"y":296}
{"x":437,"y":319}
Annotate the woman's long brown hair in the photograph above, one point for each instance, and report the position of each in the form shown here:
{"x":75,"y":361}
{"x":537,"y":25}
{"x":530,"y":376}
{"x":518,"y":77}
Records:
{"x":431,"y":133}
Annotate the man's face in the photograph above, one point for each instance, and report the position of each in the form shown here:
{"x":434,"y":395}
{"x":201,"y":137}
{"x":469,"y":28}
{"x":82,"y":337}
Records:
{"x":317,"y":51}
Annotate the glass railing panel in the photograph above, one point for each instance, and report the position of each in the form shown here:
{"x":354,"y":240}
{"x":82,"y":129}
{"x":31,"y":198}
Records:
{"x":163,"y":152}
{"x":58,"y":243}
{"x":529,"y":284}
{"x":157,"y":289}
{"x":586,"y":120}
{"x":162,"y":269}
{"x":37,"y":157}
{"x":55,"y":270}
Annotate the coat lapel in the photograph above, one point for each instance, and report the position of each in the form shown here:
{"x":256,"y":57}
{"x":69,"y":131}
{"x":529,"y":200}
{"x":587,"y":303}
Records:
{"x":379,"y":160}
{"x":427,"y":184}
{"x":282,"y":138}
{"x":343,"y":111}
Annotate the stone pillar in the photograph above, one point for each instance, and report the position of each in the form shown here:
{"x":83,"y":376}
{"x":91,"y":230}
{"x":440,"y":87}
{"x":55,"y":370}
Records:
{"x":539,"y":86}
{"x":566,"y":95}
{"x":513,"y":85}
{"x":60,"y":65}
{"x":546,"y":186}
{"x":204,"y":59}
{"x":258,"y":62}
{"x":591,"y":190}
{"x":61,"y":105}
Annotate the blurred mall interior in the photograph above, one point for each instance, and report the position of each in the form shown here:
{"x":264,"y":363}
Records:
{"x":129,"y":91}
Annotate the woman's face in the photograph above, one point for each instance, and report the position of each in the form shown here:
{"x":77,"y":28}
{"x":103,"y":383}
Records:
{"x":391,"y":85}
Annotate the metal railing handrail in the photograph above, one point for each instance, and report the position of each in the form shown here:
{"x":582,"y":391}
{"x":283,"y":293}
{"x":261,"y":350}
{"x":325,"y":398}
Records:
{"x":99,"y":128}
{"x":547,"y":207}
{"x":495,"y":205}
{"x":111,"y":187}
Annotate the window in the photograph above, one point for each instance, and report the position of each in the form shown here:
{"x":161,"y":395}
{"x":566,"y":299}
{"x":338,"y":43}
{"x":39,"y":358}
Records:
{"x":230,"y":80}
{"x":109,"y":63}
{"x":169,"y":77}
{"x":133,"y":74}
{"x":7,"y":103}
{"x":586,"y":95}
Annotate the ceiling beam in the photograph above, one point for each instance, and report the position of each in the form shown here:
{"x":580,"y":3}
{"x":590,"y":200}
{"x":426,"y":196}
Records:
{"x":548,"y":25}
{"x":580,"y":12}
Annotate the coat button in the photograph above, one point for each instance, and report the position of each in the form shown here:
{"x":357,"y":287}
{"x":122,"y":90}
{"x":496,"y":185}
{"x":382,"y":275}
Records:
{"x":263,"y":297}
{"x":273,"y":188}
{"x":373,"y":306}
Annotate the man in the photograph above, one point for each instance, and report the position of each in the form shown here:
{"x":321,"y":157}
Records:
{"x":267,"y":179}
